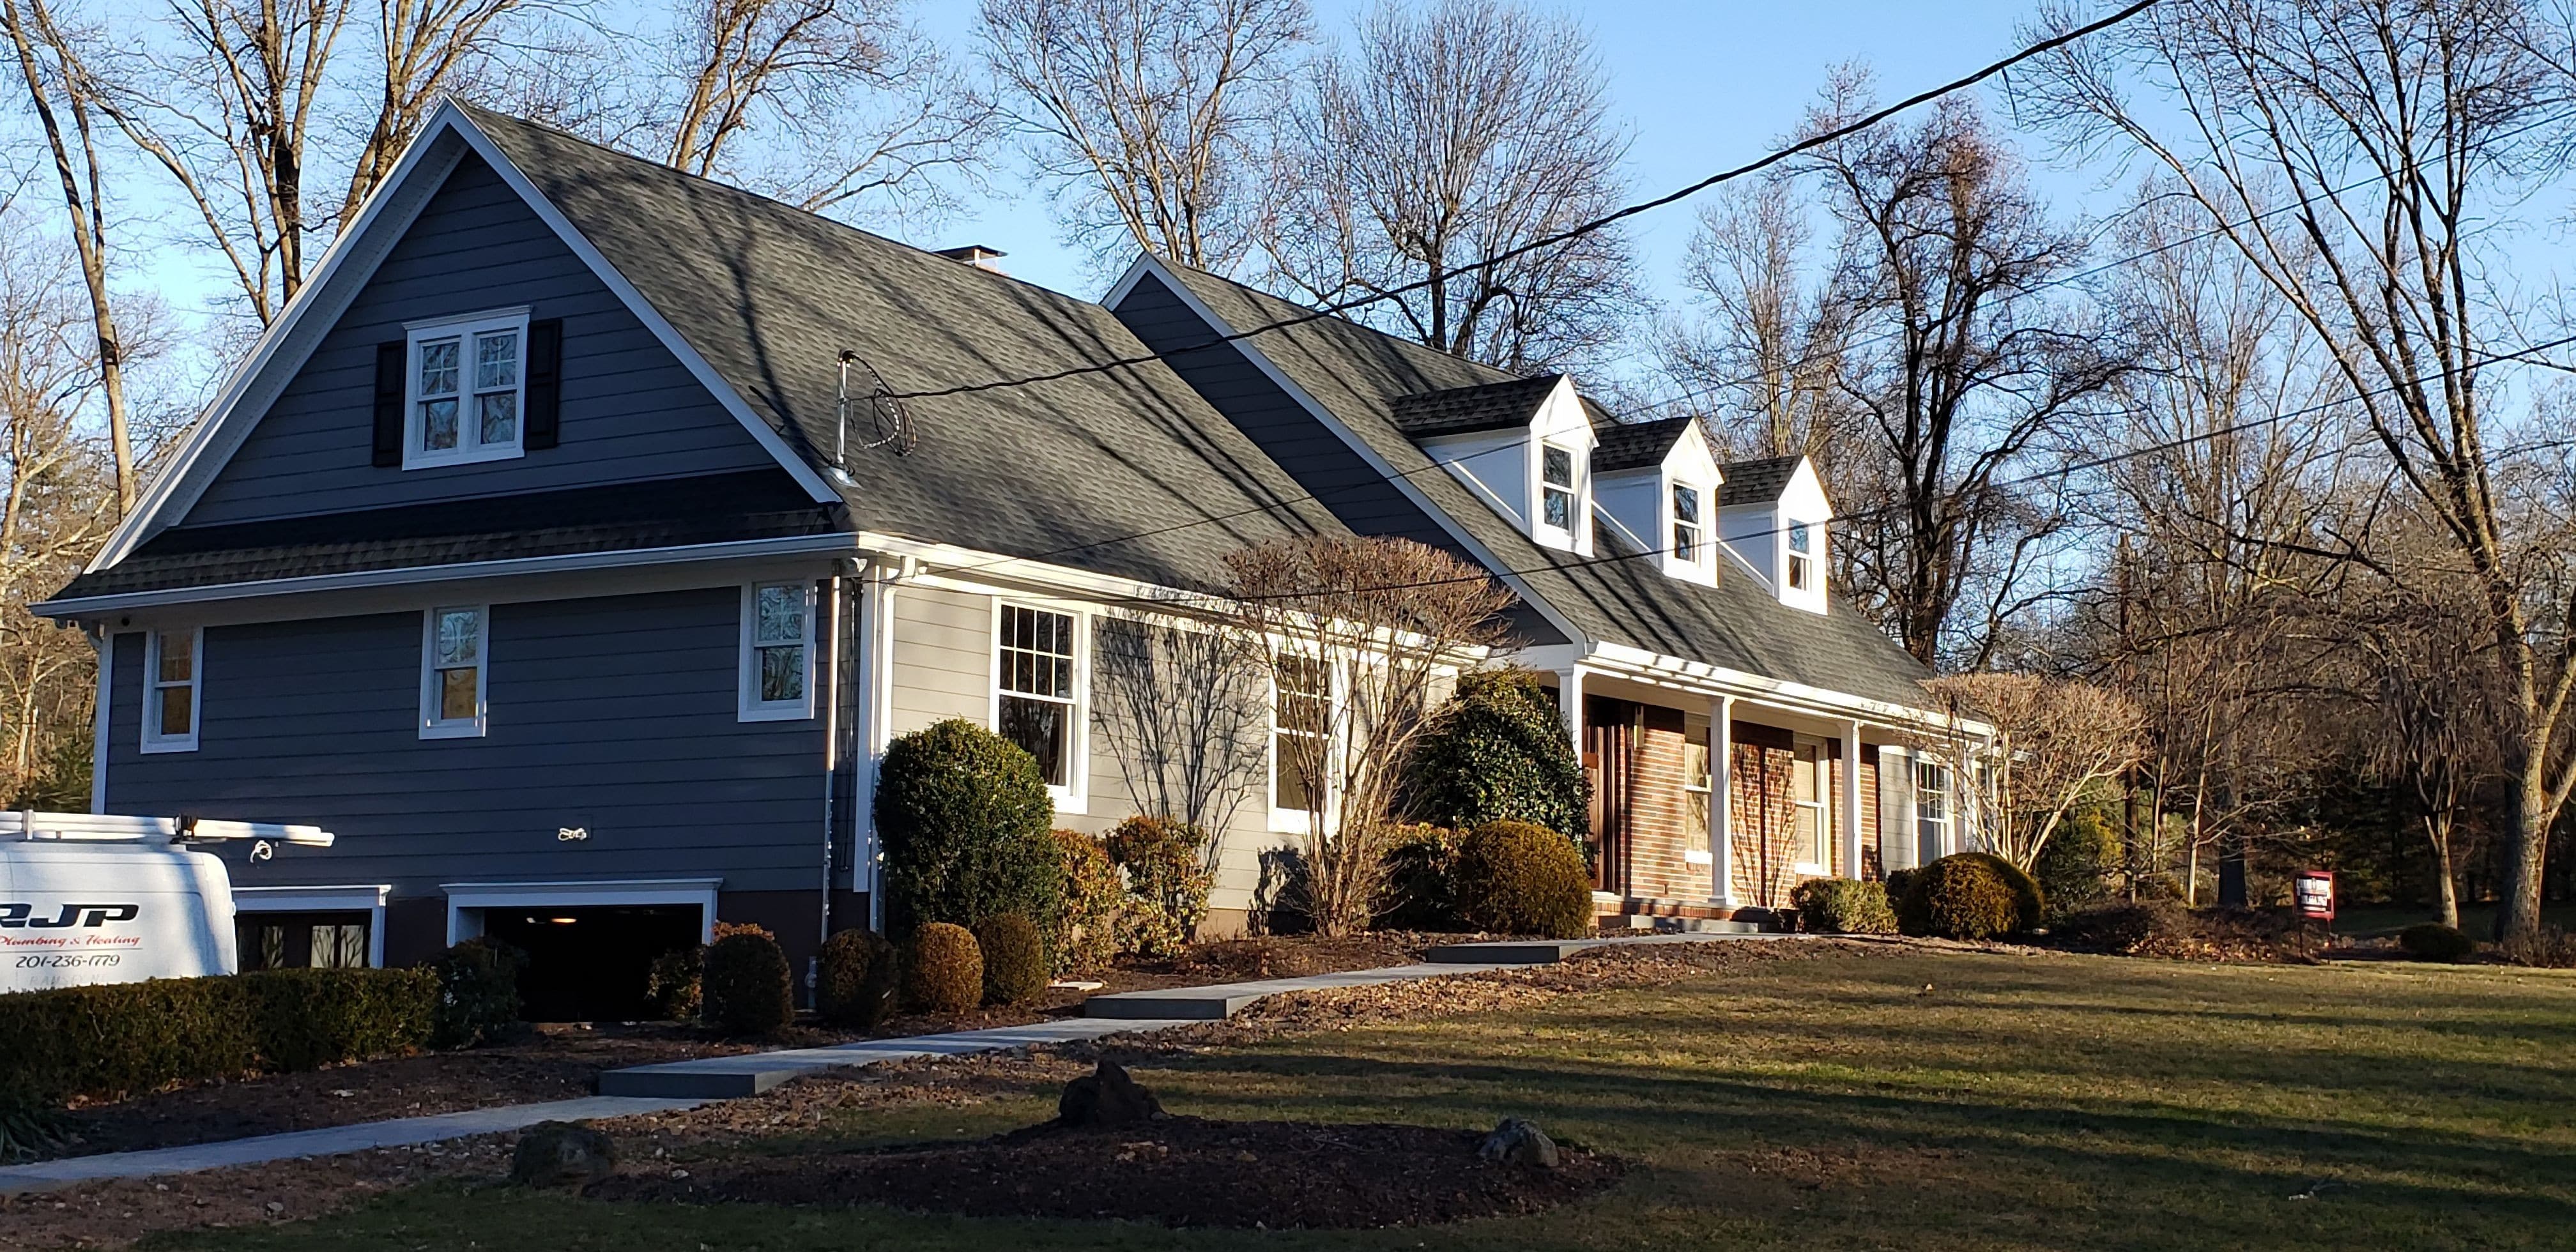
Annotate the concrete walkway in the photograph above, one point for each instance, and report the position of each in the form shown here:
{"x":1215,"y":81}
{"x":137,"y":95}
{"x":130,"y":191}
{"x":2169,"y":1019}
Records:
{"x":687,"y":1084}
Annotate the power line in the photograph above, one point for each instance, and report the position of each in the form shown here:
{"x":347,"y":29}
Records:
{"x":1835,"y":135}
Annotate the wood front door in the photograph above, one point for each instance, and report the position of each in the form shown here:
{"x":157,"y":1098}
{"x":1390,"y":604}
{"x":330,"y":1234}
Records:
{"x":1609,"y":752}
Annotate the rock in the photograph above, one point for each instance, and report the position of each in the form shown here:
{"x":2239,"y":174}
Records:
{"x":1106,"y":1098}
{"x":1516,"y":1142}
{"x":555,"y":1153}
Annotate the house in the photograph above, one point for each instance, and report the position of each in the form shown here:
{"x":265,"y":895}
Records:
{"x":580,"y":535}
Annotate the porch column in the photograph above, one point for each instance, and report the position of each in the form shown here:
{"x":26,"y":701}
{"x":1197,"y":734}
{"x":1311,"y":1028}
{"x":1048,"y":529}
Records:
{"x":1851,"y":800}
{"x":875,"y":715}
{"x":1721,"y":801}
{"x":1569,"y":701}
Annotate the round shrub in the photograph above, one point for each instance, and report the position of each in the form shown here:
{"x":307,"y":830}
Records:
{"x":2030,"y":903}
{"x":943,"y":969}
{"x":747,"y":988}
{"x":2433,"y":941}
{"x":1167,"y":883}
{"x":1497,"y":751}
{"x":1086,"y":933}
{"x":2117,"y":927}
{"x":1520,"y":879}
{"x":671,"y":982}
{"x":857,"y":979}
{"x":964,"y":817}
{"x":1960,"y":897}
{"x":1015,"y":964}
{"x":1840,"y":906}
{"x":1421,"y":891}
{"x":478,"y":993}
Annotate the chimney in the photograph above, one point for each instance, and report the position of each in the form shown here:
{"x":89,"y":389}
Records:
{"x":977,"y":255}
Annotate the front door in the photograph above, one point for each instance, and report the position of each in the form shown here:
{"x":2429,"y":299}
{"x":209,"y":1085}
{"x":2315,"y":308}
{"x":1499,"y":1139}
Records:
{"x":1609,"y":748}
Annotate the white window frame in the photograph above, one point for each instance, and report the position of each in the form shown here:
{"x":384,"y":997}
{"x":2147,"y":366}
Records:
{"x":1698,"y":529}
{"x":155,"y":737}
{"x":1573,"y":492}
{"x":1698,"y":784}
{"x":1298,"y":821}
{"x":1823,"y":804}
{"x":432,"y":726}
{"x":1068,"y":796}
{"x":470,"y":447}
{"x":1947,"y":790}
{"x":748,"y":706}
{"x":1799,"y":572}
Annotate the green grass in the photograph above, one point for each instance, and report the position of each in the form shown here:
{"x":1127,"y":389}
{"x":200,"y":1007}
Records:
{"x":2023,"y":1103}
{"x":2478,"y":920}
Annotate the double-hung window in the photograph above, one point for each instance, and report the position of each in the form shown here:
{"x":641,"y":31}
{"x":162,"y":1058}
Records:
{"x":1810,"y":778}
{"x":454,"y":645}
{"x":1556,"y":488}
{"x":173,"y":675}
{"x":1686,"y":532}
{"x":466,"y":387}
{"x":1035,"y":685}
{"x":1801,"y":556}
{"x":1931,"y":809}
{"x":777,"y":647}
{"x":1301,"y":718}
{"x":1695,"y":793}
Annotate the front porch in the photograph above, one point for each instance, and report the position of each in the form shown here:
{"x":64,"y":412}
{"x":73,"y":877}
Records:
{"x":1707,"y":805}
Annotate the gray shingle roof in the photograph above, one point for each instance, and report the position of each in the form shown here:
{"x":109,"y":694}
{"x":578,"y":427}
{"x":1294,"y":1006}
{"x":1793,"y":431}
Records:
{"x":1636,"y":445}
{"x":1756,"y":482}
{"x":1358,"y":374}
{"x":1126,"y":471}
{"x":1461,"y":410}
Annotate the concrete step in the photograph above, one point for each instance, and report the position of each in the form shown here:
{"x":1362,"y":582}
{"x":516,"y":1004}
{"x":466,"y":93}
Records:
{"x":1511,"y":952}
{"x":1652,"y":924}
{"x":733,"y":1077}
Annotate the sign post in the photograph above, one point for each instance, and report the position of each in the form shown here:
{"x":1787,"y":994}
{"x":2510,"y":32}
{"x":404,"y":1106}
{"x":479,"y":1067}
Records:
{"x":2313,"y":893}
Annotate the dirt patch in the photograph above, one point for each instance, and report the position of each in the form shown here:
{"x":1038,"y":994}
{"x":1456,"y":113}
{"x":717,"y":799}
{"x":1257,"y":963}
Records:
{"x":1179,"y":1171}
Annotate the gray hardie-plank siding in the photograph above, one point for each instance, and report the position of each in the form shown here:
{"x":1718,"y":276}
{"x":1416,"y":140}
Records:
{"x":630,"y":410}
{"x":616,"y":714}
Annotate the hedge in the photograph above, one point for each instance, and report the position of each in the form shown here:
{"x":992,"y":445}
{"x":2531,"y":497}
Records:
{"x":115,"y":1039}
{"x":1167,"y":883}
{"x":1085,"y":940}
{"x":1841,"y":906}
{"x":2433,"y":941}
{"x":965,"y":819}
{"x":1497,"y":751}
{"x":747,"y":988}
{"x":1962,"y":896}
{"x":858,"y":980}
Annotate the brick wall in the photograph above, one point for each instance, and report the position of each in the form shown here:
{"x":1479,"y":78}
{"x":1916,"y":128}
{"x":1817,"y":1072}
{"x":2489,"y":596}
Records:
{"x":1659,"y":814}
{"x":1764,"y":813}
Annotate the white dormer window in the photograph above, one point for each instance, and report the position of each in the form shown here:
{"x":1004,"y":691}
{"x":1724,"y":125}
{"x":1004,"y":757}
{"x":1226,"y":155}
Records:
{"x":1557,"y":500}
{"x":1686,"y":524}
{"x":467,"y":384}
{"x":1801,"y":557}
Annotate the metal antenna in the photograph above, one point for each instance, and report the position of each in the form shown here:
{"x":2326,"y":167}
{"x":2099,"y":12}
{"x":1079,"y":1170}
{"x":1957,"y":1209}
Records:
{"x":887,"y":417}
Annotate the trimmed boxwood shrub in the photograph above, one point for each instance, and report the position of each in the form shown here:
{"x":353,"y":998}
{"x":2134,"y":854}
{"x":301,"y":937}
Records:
{"x":1497,"y":751}
{"x":943,"y":969}
{"x":964,"y":817}
{"x":1841,"y":906}
{"x":2433,"y":941}
{"x":1015,"y":965}
{"x":1421,"y":890}
{"x":478,"y":998}
{"x":1167,"y":883}
{"x":1521,"y":879}
{"x":672,"y":983}
{"x":118,"y":1038}
{"x":857,"y":980}
{"x":1960,"y":897}
{"x":747,"y":989}
{"x":1086,"y":933}
{"x":2030,"y":903}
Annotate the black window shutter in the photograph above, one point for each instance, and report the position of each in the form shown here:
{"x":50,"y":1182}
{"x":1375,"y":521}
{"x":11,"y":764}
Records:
{"x":392,"y":359}
{"x":545,"y":382}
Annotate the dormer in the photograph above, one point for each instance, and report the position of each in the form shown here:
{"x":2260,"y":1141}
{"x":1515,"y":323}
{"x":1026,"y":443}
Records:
{"x":1774,"y":516}
{"x":1659,"y":483}
{"x":1524,"y":446}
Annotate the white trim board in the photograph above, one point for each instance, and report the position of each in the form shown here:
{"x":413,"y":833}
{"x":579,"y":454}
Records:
{"x":368,"y":899}
{"x":474,"y":897}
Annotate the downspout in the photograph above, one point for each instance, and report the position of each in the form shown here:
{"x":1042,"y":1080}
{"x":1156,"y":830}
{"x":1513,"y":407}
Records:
{"x":105,"y":641}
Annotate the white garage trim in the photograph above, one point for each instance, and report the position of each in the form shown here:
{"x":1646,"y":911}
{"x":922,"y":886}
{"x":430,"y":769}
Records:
{"x":467,"y":900}
{"x":369,"y":900}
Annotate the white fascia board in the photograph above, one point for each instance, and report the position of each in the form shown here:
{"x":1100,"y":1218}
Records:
{"x":1147,"y":263}
{"x":1638,"y":663}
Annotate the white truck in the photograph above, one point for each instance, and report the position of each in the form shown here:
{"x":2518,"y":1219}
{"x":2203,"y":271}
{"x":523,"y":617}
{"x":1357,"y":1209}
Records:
{"x":98,"y":898}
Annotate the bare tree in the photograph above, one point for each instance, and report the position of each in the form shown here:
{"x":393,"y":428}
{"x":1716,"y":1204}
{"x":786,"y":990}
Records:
{"x":858,"y":103}
{"x":1356,"y":634}
{"x":1765,"y":360}
{"x":2051,"y":742}
{"x":1150,"y":117}
{"x":2355,"y":151}
{"x":45,"y":61}
{"x":428,"y":47}
{"x":1181,"y":707}
{"x":1964,"y":367}
{"x":1454,"y":133}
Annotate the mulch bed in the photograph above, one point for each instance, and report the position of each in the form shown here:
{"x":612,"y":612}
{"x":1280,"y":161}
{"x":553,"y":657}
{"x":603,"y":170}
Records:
{"x":1178,"y":1171}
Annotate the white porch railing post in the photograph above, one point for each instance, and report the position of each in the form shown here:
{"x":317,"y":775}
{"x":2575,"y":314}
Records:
{"x":1851,"y":800}
{"x":1721,"y":801}
{"x":1569,"y":700}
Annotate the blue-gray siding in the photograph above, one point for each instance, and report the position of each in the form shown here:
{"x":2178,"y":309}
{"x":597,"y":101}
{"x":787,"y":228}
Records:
{"x":630,"y":410}
{"x":615,"y":713}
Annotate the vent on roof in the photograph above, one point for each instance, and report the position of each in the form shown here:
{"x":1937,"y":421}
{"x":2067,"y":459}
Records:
{"x":977,"y":255}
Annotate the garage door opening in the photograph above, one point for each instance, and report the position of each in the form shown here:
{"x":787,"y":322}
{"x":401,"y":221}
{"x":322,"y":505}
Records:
{"x":588,"y":964}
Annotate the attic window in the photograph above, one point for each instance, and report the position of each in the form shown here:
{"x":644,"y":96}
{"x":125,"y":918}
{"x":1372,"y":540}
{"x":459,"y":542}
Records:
{"x":1556,"y":487}
{"x":1800,"y":555}
{"x":1686,"y":534}
{"x":466,"y":385}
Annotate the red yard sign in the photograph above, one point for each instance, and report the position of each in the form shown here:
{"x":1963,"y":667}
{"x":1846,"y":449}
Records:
{"x":2315,"y":893}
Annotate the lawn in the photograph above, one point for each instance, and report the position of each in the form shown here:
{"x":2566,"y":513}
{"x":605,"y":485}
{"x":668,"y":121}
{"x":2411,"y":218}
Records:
{"x":2478,"y":920}
{"x":2015,"y":1102}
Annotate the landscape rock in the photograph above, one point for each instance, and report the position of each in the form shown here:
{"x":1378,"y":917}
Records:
{"x":1106,"y":1098}
{"x":1518,"y":1142}
{"x":552,"y":1154}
